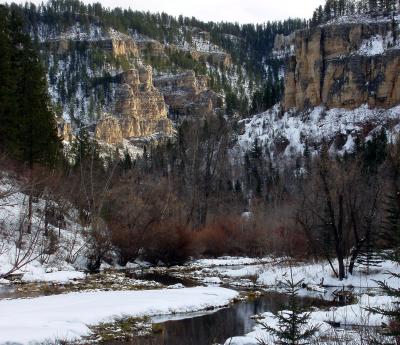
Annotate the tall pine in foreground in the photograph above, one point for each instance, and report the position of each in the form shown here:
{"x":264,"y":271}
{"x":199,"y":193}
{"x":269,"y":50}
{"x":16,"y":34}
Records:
{"x":27,"y":124}
{"x":7,"y":82}
{"x":28,"y":128}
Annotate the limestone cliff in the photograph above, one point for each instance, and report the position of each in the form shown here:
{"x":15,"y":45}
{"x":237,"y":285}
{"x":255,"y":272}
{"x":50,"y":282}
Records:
{"x":139,"y":109}
{"x":344,"y":65}
{"x":114,"y":42}
{"x":65,"y":131}
{"x":188,"y":95}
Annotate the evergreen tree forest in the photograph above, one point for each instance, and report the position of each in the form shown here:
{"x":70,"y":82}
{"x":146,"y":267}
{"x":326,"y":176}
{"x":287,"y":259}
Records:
{"x":337,"y":8}
{"x":28,"y":131}
{"x":250,"y":47}
{"x":251,"y":44}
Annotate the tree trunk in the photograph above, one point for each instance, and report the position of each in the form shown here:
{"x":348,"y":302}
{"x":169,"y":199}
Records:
{"x":46,"y":220}
{"x":340,"y":258}
{"x":339,"y":240}
{"x":29,"y":229}
{"x":355,"y":252}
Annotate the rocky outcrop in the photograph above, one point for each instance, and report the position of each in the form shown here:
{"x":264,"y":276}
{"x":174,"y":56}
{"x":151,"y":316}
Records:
{"x":344,"y":66}
{"x":117,"y":47}
{"x":151,"y":47}
{"x":154,"y":48}
{"x":284,"y":45}
{"x":214,"y":58}
{"x":139,"y":109}
{"x":188,"y":95}
{"x":65,"y":131}
{"x":109,"y":130}
{"x":123,"y":47}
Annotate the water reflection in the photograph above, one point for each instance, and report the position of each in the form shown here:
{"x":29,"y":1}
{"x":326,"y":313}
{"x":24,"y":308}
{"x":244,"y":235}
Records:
{"x":217,"y":327}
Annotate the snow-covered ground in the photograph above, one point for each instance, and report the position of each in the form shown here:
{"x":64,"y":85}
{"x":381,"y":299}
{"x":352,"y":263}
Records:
{"x":56,"y":258}
{"x":344,"y":317}
{"x":360,"y":19}
{"x":269,"y":272}
{"x":317,"y":277}
{"x":67,"y":316}
{"x":229,"y":261}
{"x":271,"y":128}
{"x":321,"y":274}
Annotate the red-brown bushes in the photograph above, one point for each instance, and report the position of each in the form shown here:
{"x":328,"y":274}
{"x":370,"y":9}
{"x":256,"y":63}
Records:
{"x":168,"y":242}
{"x":262,"y":234}
{"x":232,"y":236}
{"x":289,"y":240}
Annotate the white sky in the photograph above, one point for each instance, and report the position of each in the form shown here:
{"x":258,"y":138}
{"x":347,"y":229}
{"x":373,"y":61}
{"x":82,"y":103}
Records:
{"x":242,"y":11}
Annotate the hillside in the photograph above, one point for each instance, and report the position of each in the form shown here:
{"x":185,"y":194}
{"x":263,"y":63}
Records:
{"x":341,"y":87}
{"x":108,"y":70}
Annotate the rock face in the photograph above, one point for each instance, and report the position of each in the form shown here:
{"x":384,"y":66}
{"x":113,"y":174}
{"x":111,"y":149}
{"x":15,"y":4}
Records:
{"x":125,"y":47}
{"x":151,"y":47}
{"x":283,"y":42}
{"x":188,"y":95}
{"x":139,"y":109}
{"x":117,"y":47}
{"x":154,"y":48}
{"x":344,"y":66}
{"x":65,"y":131}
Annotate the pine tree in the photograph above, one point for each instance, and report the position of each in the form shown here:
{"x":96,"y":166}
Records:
{"x":127,"y":161}
{"x":375,"y":151}
{"x":37,"y":139}
{"x":392,"y":232}
{"x":85,"y":150}
{"x":394,"y":30}
{"x":391,"y":228}
{"x":7,"y":82}
{"x":28,"y":128}
{"x":292,"y":328}
{"x":372,"y":5}
{"x":369,"y":257}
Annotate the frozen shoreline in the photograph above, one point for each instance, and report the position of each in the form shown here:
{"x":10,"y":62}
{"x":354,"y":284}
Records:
{"x":67,"y":316}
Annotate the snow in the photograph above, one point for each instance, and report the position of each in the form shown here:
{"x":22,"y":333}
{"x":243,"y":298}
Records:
{"x":67,"y":316}
{"x":377,"y":45}
{"x":78,"y":32}
{"x":351,"y":315}
{"x":176,"y":286}
{"x":317,"y":273}
{"x":373,"y":46}
{"x":212,"y":281}
{"x":314,"y":125}
{"x":269,"y":272}
{"x":356,"y":314}
{"x":53,"y":277}
{"x":200,"y":44}
{"x":228,"y":261}
{"x":349,"y":146}
{"x":60,"y":266}
{"x":359,"y":19}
